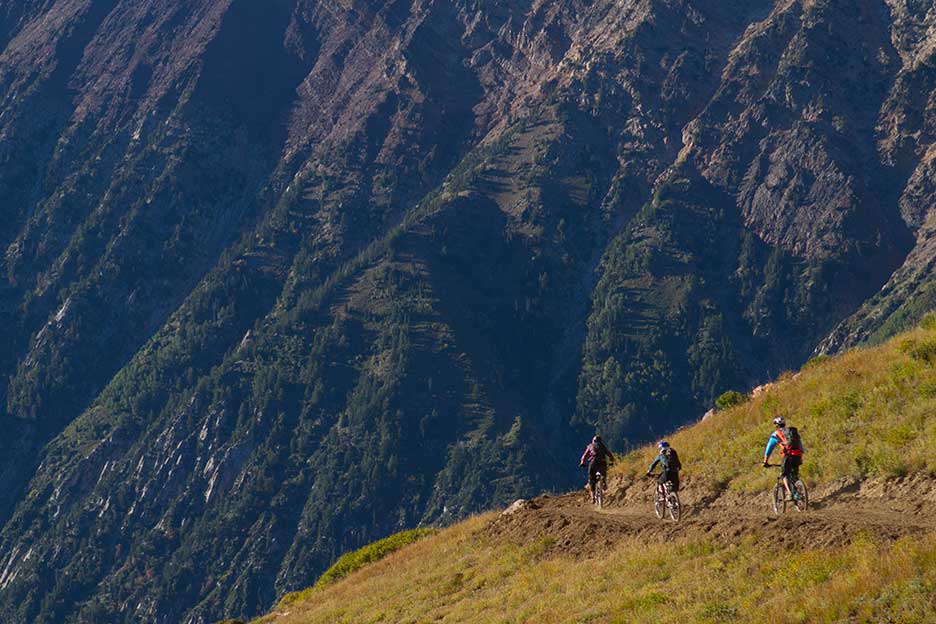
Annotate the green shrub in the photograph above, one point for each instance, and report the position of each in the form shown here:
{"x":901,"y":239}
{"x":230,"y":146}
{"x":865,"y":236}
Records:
{"x":729,"y":399}
{"x":928,"y":322}
{"x":816,"y":361}
{"x":355,"y":560}
{"x":924,"y":351}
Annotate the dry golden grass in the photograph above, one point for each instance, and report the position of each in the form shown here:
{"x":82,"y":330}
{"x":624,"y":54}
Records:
{"x":461,"y":576}
{"x":863,"y":414}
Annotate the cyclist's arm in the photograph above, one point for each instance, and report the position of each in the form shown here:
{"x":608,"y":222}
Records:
{"x":585,"y":456}
{"x":771,"y":444}
{"x":654,"y":464}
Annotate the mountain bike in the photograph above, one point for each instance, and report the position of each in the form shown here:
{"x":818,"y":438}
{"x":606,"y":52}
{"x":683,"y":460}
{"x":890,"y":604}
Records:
{"x":599,"y":493}
{"x":601,"y":487}
{"x":665,"y":501}
{"x":778,"y":496}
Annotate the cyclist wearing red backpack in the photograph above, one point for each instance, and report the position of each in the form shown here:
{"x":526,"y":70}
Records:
{"x":791,"y":452}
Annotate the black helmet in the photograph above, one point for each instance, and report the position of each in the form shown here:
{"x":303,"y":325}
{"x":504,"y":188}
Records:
{"x":779,"y":421}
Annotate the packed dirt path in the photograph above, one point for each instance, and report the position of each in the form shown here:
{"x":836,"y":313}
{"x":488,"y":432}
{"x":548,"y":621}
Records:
{"x":838,"y":514}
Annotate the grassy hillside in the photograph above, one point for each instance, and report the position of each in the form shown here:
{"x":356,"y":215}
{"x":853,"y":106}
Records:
{"x":866,"y":413}
{"x":283,"y":278}
{"x":461,"y":576}
{"x":865,"y":418}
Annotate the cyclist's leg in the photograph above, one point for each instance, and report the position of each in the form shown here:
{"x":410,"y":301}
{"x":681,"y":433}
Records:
{"x":795,"y":462}
{"x":786,"y":467}
{"x":661,"y":483}
{"x":673,"y":478}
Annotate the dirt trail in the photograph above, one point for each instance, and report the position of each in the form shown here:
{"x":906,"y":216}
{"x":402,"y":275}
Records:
{"x":838,"y":513}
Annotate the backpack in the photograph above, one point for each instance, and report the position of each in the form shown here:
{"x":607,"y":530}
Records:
{"x":671,"y":460}
{"x":599,"y":452}
{"x":791,"y":442}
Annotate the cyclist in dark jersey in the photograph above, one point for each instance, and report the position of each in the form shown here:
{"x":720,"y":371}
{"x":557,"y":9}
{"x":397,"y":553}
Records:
{"x":669,"y":462}
{"x":597,"y":456}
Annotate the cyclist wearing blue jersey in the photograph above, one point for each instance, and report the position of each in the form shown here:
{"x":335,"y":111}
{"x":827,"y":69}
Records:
{"x":791,"y":453}
{"x":669,"y":461}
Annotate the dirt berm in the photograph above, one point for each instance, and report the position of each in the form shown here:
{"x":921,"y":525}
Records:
{"x":838,"y":513}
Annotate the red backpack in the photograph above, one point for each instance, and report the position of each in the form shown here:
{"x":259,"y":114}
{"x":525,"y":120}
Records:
{"x":790,"y":441}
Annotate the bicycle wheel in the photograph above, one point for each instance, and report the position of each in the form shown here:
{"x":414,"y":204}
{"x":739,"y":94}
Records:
{"x":659,"y":504}
{"x":672,"y":503}
{"x":779,"y":499}
{"x":802,"y":496}
{"x":599,"y":495}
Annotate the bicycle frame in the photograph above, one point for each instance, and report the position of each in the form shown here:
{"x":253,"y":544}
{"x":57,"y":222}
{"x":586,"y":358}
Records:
{"x":665,"y":499}
{"x":792,"y":487}
{"x":787,"y":481}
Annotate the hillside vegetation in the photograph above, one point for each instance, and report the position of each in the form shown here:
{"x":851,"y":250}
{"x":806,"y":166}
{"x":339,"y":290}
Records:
{"x":864,"y":552}
{"x":867,"y":413}
{"x":280,"y":279}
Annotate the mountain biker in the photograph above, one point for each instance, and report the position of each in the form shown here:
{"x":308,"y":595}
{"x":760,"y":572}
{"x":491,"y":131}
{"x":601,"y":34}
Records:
{"x":669,"y":461}
{"x":597,"y":456}
{"x":791,"y":451}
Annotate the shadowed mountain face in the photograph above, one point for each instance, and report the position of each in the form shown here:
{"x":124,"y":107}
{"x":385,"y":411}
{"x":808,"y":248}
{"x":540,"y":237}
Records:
{"x":281,"y":278}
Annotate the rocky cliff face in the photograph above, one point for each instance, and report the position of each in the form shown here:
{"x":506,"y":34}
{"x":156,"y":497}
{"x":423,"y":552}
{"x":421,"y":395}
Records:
{"x":282,"y":278}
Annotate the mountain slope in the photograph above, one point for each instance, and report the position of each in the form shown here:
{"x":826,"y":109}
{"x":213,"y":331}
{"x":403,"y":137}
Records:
{"x":862,"y":552}
{"x":283,"y":280}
